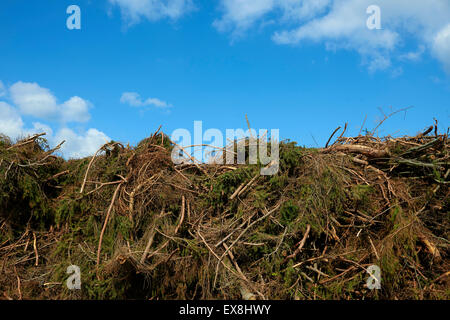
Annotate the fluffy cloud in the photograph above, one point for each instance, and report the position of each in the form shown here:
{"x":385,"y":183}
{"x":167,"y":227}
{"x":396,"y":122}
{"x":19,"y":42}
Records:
{"x":11,"y":123}
{"x":80,"y":145}
{"x":413,"y":55}
{"x":133,"y":11}
{"x":341,"y":24}
{"x":75,"y":109}
{"x":33,"y":100}
{"x":241,"y":14}
{"x":441,"y":47}
{"x":134,"y":99}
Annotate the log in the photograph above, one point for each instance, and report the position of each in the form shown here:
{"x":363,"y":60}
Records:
{"x":355,"y":148}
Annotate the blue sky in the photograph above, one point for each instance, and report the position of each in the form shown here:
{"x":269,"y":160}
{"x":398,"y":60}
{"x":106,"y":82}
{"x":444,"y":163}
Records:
{"x":301,"y":66}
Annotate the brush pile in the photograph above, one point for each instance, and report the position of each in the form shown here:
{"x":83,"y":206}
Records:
{"x":140,"y":227}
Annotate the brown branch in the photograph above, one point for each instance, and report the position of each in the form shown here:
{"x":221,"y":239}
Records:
{"x":105,"y":224}
{"x":89,"y":166}
{"x":343,"y":131}
{"x":329,"y":139}
{"x":18,"y":284}
{"x":243,"y":187}
{"x":300,"y":245}
{"x":183,"y":205}
{"x":387,"y":117}
{"x":58,"y":175}
{"x":364,"y":150}
{"x":36,"y":263}
{"x":27,"y":141}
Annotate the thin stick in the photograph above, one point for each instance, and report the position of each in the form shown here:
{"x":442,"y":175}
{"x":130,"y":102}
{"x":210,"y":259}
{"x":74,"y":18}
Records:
{"x":329,"y":139}
{"x":58,"y":175}
{"x":387,"y":117}
{"x":27,"y":141}
{"x":36,"y":263}
{"x":300,"y":245}
{"x":102,"y":184}
{"x":89,"y":166}
{"x":374,"y":249}
{"x":194,"y":161}
{"x":248,"y":227}
{"x":343,"y":131}
{"x":243,"y":187}
{"x":183,"y":205}
{"x":147,"y":248}
{"x":249,"y":127}
{"x":106,"y":223}
{"x":246,"y":294}
{"x":320,"y":273}
{"x":225,"y":265}
{"x":362,"y":126}
{"x":18,"y":284}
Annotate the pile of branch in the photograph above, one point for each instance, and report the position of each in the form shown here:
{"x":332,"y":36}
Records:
{"x":140,"y":226}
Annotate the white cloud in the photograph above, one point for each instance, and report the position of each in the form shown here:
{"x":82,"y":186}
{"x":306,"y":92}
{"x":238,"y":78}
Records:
{"x":80,"y":145}
{"x":302,"y":10}
{"x":135,"y":100}
{"x":75,"y":109}
{"x":33,"y":100}
{"x":341,"y":24}
{"x":241,"y":14}
{"x":76,"y":145}
{"x":133,"y":11}
{"x":441,"y":46}
{"x":40,"y":128}
{"x":11,"y":123}
{"x":413,"y":55}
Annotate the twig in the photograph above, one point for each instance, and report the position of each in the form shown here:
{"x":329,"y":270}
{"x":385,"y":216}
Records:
{"x":194,"y":161}
{"x":183,"y":205}
{"x":329,"y":139}
{"x":89,"y":166}
{"x":248,"y":227}
{"x":27,"y":141}
{"x":147,"y":248}
{"x":224,"y":264}
{"x":427,"y":131}
{"x":300,"y":245}
{"x":106,"y":223}
{"x":248,"y":126}
{"x":58,"y":175}
{"x":36,"y":263}
{"x":243,"y":187}
{"x":387,"y":117}
{"x":374,"y":249}
{"x":246,"y":294}
{"x":318,"y":271}
{"x":279,"y":243}
{"x":362,"y":126}
{"x":18,"y":284}
{"x":343,"y":131}
{"x":102,"y":184}
{"x":446,"y":274}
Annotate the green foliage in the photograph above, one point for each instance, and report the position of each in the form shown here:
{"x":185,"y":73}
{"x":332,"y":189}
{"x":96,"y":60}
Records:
{"x":311,"y":188}
{"x":289,"y":212}
{"x":227,"y":183}
{"x":290,"y":157}
{"x":361,"y":195}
